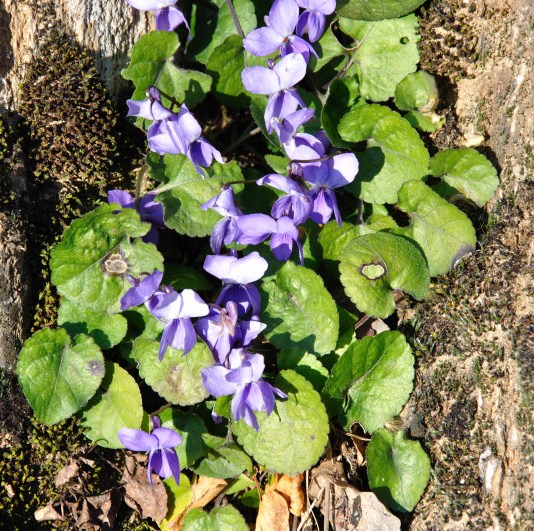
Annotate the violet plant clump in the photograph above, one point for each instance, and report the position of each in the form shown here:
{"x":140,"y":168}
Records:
{"x":298,"y":245}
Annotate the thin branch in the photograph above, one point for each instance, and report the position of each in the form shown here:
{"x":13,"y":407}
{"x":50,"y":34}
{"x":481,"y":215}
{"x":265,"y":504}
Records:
{"x":236,"y":19}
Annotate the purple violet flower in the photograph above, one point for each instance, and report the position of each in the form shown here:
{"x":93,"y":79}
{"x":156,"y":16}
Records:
{"x":335,"y":172}
{"x":142,"y":290}
{"x":225,"y":231}
{"x":162,"y":457}
{"x":149,"y":210}
{"x":238,"y":275}
{"x":278,"y":83}
{"x":255,"y":228}
{"x":242,"y":378}
{"x":278,"y":34}
{"x":181,"y":134}
{"x":312,"y":21}
{"x":168,"y":17}
{"x":286,"y":127}
{"x":222,"y":330}
{"x":175,"y":311}
{"x":297,"y":204}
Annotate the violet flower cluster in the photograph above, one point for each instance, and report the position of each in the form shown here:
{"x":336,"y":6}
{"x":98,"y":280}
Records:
{"x":168,"y":16}
{"x":314,"y":171}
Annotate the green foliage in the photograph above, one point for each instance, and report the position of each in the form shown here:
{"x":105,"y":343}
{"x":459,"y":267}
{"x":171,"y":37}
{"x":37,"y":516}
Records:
{"x":225,"y":66}
{"x":395,"y":153}
{"x":371,"y":382}
{"x":106,"y":329}
{"x":398,"y":469}
{"x":177,"y":377}
{"x":218,"y":519}
{"x":387,"y":52}
{"x":294,"y":435}
{"x":466,"y":171}
{"x":222,"y":459}
{"x":183,"y":196}
{"x":376,"y":9}
{"x":443,"y":232}
{"x":116,"y":406}
{"x":428,"y":123}
{"x":343,"y":94}
{"x":212,"y":24}
{"x":89,"y":263}
{"x":417,"y":91}
{"x":374,"y":265}
{"x":299,"y":311}
{"x":59,"y":375}
{"x":151,"y":65}
{"x":305,"y":364}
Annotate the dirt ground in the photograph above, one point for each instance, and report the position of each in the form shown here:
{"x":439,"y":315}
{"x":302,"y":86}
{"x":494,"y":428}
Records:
{"x":473,"y":337}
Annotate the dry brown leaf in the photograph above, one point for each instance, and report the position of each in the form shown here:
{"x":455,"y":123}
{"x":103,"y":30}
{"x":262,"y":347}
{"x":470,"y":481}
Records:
{"x":273,"y":513}
{"x":291,"y":489}
{"x":149,"y":501}
{"x":47,"y":513}
{"x":66,"y":473}
{"x":100,"y":511}
{"x":205,"y":490}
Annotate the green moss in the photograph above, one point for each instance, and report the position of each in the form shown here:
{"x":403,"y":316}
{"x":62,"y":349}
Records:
{"x":75,"y":148}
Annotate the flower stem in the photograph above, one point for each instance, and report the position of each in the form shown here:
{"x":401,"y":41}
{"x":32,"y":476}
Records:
{"x":236,"y":19}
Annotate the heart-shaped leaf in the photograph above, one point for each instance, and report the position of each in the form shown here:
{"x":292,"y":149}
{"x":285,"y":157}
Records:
{"x":177,"y":377}
{"x":372,"y":266}
{"x":299,"y":311}
{"x":293,"y":437}
{"x":372,"y":381}
{"x":59,"y":375}
{"x":444,"y":233}
{"x":376,"y":9}
{"x":398,"y":469}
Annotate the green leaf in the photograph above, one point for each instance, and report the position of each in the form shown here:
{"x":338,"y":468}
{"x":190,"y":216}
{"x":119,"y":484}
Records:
{"x":387,"y":53}
{"x":117,"y":406}
{"x":333,"y":239}
{"x":177,"y":377}
{"x":358,"y":124}
{"x":467,"y":171}
{"x":395,"y":154}
{"x":299,"y":311}
{"x":182,"y":201}
{"x":225,"y":66}
{"x":277,"y":163}
{"x":82,"y":263}
{"x":219,"y":519}
{"x":222,"y":460}
{"x":106,"y":329}
{"x":371,"y":382}
{"x":191,"y":428}
{"x":372,"y":266}
{"x":171,"y":168}
{"x":59,"y":375}
{"x":342,"y":95}
{"x":239,"y":484}
{"x":293,"y":437}
{"x":376,"y":9}
{"x":178,"y":498}
{"x":151,"y":65}
{"x":417,"y":92}
{"x":398,"y":470}
{"x":305,"y":364}
{"x":212,"y":25}
{"x":428,"y":123}
{"x":444,"y":233}
{"x":327,"y":48}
